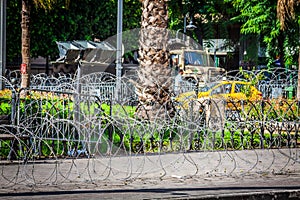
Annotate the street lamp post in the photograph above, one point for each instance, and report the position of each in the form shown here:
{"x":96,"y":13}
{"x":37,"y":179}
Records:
{"x":119,"y":49}
{"x":2,"y":39}
{"x":190,"y":26}
{"x":184,"y":27}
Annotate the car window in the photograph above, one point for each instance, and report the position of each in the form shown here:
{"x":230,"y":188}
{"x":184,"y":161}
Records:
{"x":194,"y":58}
{"x":204,"y":89}
{"x":209,"y":86}
{"x":227,"y":88}
{"x":222,"y":89}
{"x":218,"y":90}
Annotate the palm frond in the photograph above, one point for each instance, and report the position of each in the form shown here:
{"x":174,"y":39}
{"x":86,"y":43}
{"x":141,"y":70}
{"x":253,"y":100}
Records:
{"x":48,"y":4}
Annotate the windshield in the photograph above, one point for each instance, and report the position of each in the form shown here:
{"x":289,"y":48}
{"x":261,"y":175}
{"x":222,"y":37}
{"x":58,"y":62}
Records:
{"x":209,"y":86}
{"x":195,"y":58}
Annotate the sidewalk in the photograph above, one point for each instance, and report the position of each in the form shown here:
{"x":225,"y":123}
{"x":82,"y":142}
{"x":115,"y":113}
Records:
{"x":263,"y":174}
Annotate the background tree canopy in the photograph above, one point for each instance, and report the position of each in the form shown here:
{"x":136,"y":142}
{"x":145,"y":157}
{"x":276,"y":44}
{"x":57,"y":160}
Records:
{"x":89,"y":19}
{"x":259,"y":17}
{"x":82,"y":20}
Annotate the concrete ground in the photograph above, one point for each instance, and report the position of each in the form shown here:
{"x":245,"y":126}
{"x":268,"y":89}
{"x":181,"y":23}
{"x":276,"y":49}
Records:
{"x":248,"y":174}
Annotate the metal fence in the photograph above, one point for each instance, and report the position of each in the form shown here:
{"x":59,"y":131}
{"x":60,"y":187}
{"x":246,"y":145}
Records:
{"x":59,"y":122}
{"x":282,"y":85}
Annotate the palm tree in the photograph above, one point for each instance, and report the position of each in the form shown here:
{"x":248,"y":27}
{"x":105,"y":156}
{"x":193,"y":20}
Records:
{"x":25,"y":26}
{"x":153,"y":87}
{"x":286,"y":13}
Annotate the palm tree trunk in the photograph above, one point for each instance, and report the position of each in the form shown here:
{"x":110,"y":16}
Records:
{"x":154,"y":83}
{"x":25,"y":26}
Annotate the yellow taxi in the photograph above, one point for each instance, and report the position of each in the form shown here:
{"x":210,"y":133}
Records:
{"x":227,"y":90}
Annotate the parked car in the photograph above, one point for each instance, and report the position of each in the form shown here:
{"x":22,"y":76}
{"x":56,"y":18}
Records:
{"x":232,"y":91}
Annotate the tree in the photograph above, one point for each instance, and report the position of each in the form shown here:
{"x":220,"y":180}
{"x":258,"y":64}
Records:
{"x":286,"y":14}
{"x":25,"y":38}
{"x":153,"y":87}
{"x":53,"y":22}
{"x":258,"y":19}
{"x":25,"y":42}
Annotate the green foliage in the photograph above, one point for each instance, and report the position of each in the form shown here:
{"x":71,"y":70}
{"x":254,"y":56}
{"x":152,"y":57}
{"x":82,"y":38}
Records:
{"x":260,"y":18}
{"x":13,"y":30}
{"x":89,"y":19}
{"x":207,"y":15}
{"x":5,"y":147}
{"x":81,"y":20}
{"x":118,"y":110}
{"x":252,"y":78}
{"x":142,"y":137}
{"x":278,"y":110}
{"x":5,"y":106}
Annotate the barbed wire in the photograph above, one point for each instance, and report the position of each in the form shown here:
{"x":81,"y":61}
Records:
{"x":60,"y":135}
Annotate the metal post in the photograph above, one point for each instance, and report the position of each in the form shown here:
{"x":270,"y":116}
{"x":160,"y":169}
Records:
{"x":2,"y":40}
{"x":119,"y":49}
{"x":184,"y":28}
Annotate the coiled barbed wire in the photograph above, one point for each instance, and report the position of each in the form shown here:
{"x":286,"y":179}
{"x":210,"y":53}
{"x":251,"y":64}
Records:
{"x":57,"y":135}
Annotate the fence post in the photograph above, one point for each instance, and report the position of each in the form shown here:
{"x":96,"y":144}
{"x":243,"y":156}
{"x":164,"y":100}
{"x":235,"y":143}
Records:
{"x":13,"y":107}
{"x":262,"y":126}
{"x":191,"y":126}
{"x":110,"y":127}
